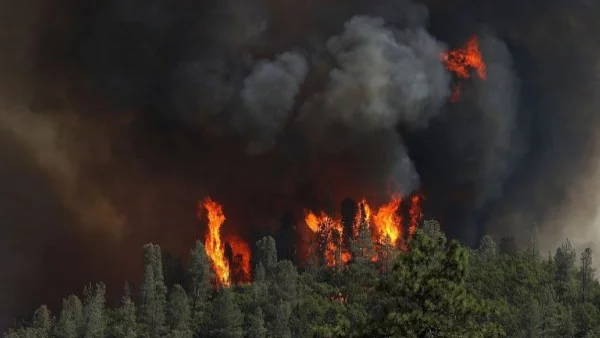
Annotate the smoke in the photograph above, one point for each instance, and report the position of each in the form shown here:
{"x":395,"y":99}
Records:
{"x":79,"y":195}
{"x":120,"y":116}
{"x":268,"y":95}
{"x":384,"y":78}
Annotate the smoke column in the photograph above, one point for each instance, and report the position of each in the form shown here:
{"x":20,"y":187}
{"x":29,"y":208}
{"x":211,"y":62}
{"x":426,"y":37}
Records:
{"x":116,"y":118}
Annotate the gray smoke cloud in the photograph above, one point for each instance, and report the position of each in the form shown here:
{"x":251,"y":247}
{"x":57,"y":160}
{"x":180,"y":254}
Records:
{"x":268,"y":96}
{"x":386,"y":77}
{"x":496,"y":101}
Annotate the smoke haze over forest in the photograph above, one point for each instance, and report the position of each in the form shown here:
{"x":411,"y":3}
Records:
{"x":117,"y":117}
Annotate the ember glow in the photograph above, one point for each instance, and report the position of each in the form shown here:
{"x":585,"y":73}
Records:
{"x":385,"y":225}
{"x":462,"y":61}
{"x":214,"y":247}
{"x":415,"y":213}
{"x":241,"y":267}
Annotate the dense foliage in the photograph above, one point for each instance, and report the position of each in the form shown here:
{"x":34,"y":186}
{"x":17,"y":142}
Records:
{"x":434,"y":288}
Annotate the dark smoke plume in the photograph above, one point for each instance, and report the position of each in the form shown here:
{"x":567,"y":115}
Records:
{"x":116,"y":117}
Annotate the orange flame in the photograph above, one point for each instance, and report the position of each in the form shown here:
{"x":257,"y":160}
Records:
{"x":214,"y":247}
{"x":241,"y":254}
{"x":363,"y":215}
{"x":312,"y":220}
{"x":386,"y":227}
{"x":416,"y":213}
{"x":462,"y":60}
{"x":387,"y":221}
{"x":329,"y":231}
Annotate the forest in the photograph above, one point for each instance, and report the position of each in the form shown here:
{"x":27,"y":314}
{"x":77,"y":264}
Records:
{"x":433,"y":287}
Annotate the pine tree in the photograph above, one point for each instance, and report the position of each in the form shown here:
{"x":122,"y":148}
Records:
{"x":256,"y":324}
{"x":266,"y":253}
{"x":200,"y":275}
{"x":587,"y":273}
{"x":42,"y":320}
{"x":487,"y":248}
{"x":40,"y":327}
{"x":362,"y":247}
{"x":95,"y":324}
{"x":533,"y":245}
{"x":127,"y":322}
{"x":227,"y":319}
{"x":70,"y":323}
{"x":153,"y":292}
{"x":179,"y":311}
{"x":425,"y":294}
{"x":281,"y":325}
{"x":564,"y":262}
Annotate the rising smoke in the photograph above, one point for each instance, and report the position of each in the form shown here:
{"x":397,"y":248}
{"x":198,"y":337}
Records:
{"x":116,"y":118}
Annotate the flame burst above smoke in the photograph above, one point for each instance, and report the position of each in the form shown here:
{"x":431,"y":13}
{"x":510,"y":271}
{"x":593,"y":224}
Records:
{"x":462,"y":61}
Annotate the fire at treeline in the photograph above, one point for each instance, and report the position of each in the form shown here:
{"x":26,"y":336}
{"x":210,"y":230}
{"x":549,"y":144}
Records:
{"x":385,"y":226}
{"x":332,"y":236}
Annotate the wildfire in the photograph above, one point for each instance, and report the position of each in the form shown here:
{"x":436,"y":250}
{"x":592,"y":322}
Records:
{"x":241,"y":257}
{"x":385,"y":225}
{"x":363,"y":215}
{"x":330,"y":236}
{"x":214,"y":247}
{"x":416,"y":213}
{"x":387,"y":221}
{"x":462,"y":61}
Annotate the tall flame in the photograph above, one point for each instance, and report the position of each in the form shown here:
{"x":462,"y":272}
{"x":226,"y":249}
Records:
{"x":214,"y":247}
{"x":462,"y":61}
{"x":388,"y":222}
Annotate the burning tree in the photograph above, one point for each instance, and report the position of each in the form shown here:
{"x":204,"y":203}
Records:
{"x":384,"y":229}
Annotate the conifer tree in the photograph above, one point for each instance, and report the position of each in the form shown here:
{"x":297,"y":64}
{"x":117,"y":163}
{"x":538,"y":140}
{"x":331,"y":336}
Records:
{"x":227,"y":319}
{"x":42,"y":320}
{"x":256,"y":324}
{"x":95,"y":324}
{"x":127,"y":321}
{"x":200,"y":275}
{"x":266,"y":253}
{"x":425,"y":293}
{"x":153,"y":292}
{"x":179,"y":311}
{"x":587,"y":273}
{"x":362,"y":247}
{"x":281,"y":325}
{"x":564,"y":263}
{"x":70,"y":322}
{"x":487,"y":248}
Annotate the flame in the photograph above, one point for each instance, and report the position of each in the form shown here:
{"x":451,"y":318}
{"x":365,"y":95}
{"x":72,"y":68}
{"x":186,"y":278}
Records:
{"x":387,"y":221}
{"x":214,"y":247}
{"x":385,"y":225}
{"x":329,"y":231}
{"x":462,"y":60}
{"x":363,"y":215}
{"x":312,"y":221}
{"x":241,"y":254}
{"x":416,"y":213}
